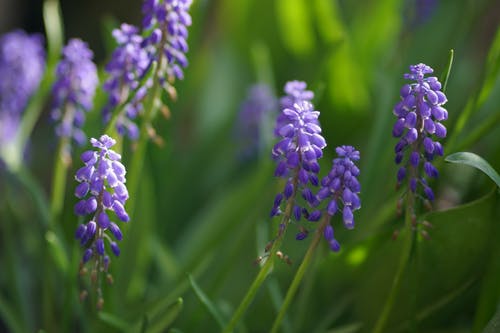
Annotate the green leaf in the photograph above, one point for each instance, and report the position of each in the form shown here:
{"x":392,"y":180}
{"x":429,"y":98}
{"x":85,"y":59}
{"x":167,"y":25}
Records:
{"x":475,"y":161}
{"x":57,"y":250}
{"x":160,"y":318}
{"x":349,"y":328}
{"x":494,"y":324}
{"x":114,"y":321}
{"x":205,"y":300}
{"x":446,"y":75}
{"x":9,"y":317}
{"x":294,"y":21}
{"x":328,"y":19}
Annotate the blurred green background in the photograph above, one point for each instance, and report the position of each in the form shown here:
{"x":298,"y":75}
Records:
{"x":203,"y":212}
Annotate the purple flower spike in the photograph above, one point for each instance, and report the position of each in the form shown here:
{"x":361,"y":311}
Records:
{"x":74,"y":90}
{"x":128,"y":65}
{"x":167,"y":22}
{"x":22,"y":63}
{"x":252,"y":129}
{"x":102,"y":189}
{"x":300,"y":147}
{"x":340,"y":188}
{"x":419,"y":113}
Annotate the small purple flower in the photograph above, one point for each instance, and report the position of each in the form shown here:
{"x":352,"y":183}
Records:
{"x":298,"y":151}
{"x":341,"y":190}
{"x":419,"y":128}
{"x":167,"y":22}
{"x":253,"y":119}
{"x":128,"y":65}
{"x":22,"y":64}
{"x":74,"y":90}
{"x":101,"y":191}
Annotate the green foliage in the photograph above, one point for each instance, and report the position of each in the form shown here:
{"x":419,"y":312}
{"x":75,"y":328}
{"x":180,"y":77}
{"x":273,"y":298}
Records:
{"x":200,"y":212}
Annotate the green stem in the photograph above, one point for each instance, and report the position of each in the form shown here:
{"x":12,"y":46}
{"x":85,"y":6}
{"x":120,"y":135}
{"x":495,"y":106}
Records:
{"x":403,"y":262}
{"x":59,"y":182}
{"x":140,"y":152}
{"x":300,"y":274}
{"x":265,"y":269}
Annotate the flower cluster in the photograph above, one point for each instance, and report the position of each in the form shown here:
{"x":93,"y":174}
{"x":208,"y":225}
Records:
{"x":101,"y":190}
{"x":22,"y":63}
{"x":253,"y":117}
{"x":419,"y":113}
{"x":168,"y":21}
{"x":295,"y":93}
{"x":74,"y":90}
{"x":297,"y":153}
{"x":128,"y":65}
{"x":341,"y":187}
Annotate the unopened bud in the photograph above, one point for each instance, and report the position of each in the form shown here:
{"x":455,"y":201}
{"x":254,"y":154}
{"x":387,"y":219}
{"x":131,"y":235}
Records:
{"x":413,"y":220}
{"x":93,"y":276}
{"x":165,"y":111}
{"x":100,"y":303}
{"x":395,"y":235}
{"x":399,"y":208}
{"x":279,"y":254}
{"x":109,"y":279}
{"x":425,"y":234}
{"x":427,"y":205}
{"x":83,"y":295}
{"x":427,"y":224}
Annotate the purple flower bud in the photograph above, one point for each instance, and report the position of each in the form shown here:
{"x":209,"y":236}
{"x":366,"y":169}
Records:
{"x":300,"y":236}
{"x":297,"y":212}
{"x":328,"y":233}
{"x":414,"y":158}
{"x":401,"y":174}
{"x":334,"y":245}
{"x":115,"y":230}
{"x":87,"y":255}
{"x":120,"y":211}
{"x":440,"y":130}
{"x":314,"y":216}
{"x":103,"y":220}
{"x":429,"y":193}
{"x":99,"y":244}
{"x":348,"y":217}
{"x":80,"y":231}
{"x":115,"y":249}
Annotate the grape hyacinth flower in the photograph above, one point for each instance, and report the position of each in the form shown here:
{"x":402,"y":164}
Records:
{"x":74,"y":90}
{"x":128,"y":65}
{"x":167,"y":22}
{"x":419,"y":128}
{"x":252,"y":128}
{"x":22,"y":64}
{"x":295,"y":92}
{"x":297,"y":155}
{"x":102,"y":192}
{"x":341,"y":187}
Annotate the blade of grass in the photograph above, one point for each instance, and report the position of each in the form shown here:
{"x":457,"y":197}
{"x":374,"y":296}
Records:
{"x":207,"y":302}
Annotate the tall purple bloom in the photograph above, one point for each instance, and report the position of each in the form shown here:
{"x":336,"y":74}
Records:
{"x":127,"y":67}
{"x":419,"y":128}
{"x":340,"y":188}
{"x":22,"y":63}
{"x":102,"y":193}
{"x":74,"y":90}
{"x":252,"y":126}
{"x":297,"y":153}
{"x":167,"y":21}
